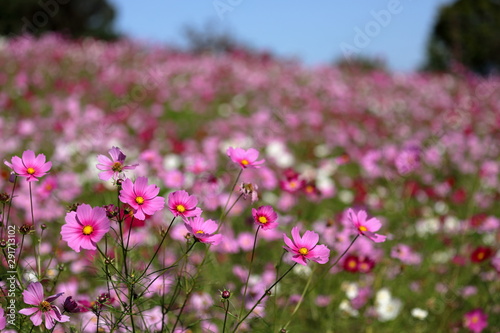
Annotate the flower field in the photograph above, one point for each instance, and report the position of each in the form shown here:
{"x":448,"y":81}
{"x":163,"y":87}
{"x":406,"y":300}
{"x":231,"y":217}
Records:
{"x":145,"y":189}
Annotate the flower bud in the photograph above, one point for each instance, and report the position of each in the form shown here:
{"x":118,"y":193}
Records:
{"x":12,"y":177}
{"x":71,"y":306}
{"x":225,"y":294}
{"x":111,"y":211}
{"x":72,"y":207}
{"x":26,"y":229}
{"x":4,"y":197}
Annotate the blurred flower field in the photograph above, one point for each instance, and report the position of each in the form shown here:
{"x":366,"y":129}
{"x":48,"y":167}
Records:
{"x":202,"y":193}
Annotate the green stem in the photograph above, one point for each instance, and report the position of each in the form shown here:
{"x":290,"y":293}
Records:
{"x":157,"y":249}
{"x":38,"y":242}
{"x":297,"y":306}
{"x":20,"y":252}
{"x":230,"y":208}
{"x":249,"y":272}
{"x":180,"y":311}
{"x":31,"y":204}
{"x":225,"y":317}
{"x":231,"y":192}
{"x":121,"y":220}
{"x":175,"y":263}
{"x":10,"y":204}
{"x":116,"y":269}
{"x":307,"y":291}
{"x":340,"y":257}
{"x":130,"y":231}
{"x":131,"y":305}
{"x":267,"y":292}
{"x":124,"y":250}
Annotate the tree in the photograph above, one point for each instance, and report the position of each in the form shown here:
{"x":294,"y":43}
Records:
{"x":361,"y":64}
{"x":72,"y":18}
{"x":466,"y":32}
{"x":211,"y":39}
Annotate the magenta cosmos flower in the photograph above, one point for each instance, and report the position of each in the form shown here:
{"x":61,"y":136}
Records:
{"x":182,"y":204}
{"x":306,"y":247}
{"x":112,"y":168}
{"x":203,"y":230}
{"x":265,"y":216}
{"x":143,"y":198}
{"x":476,"y":320}
{"x":85,"y":227}
{"x":30,"y":166}
{"x":3,"y":320}
{"x":408,"y":160}
{"x":33,"y":295}
{"x":245,"y":158}
{"x":366,"y":227}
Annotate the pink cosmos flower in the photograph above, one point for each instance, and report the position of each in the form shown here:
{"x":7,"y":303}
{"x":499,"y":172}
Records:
{"x":245,"y":241}
{"x":476,"y":320}
{"x":112,"y":168}
{"x":495,"y":262}
{"x":182,"y":204}
{"x":404,"y":253}
{"x":203,"y":230}
{"x":33,"y":295}
{"x":3,"y":320}
{"x":364,"y":227}
{"x":249,"y":190}
{"x":245,"y":158}
{"x":85,"y":227}
{"x":265,"y":216}
{"x":306,"y":247}
{"x":292,"y":182}
{"x":142,"y":198}
{"x":30,"y":166}
{"x":408,"y":160}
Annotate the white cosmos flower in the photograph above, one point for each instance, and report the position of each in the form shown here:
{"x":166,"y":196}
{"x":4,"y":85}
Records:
{"x":386,"y":306}
{"x":346,"y":307}
{"x":419,"y":313}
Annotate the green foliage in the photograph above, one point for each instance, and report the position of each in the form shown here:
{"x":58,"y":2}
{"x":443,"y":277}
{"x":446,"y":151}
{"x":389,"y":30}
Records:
{"x":361,"y":64}
{"x":466,"y":32}
{"x":73,"y":18}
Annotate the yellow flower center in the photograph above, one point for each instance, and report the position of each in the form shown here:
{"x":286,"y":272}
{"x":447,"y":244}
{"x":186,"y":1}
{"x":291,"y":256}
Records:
{"x":263,"y":219}
{"x":480,"y":256}
{"x":474,"y":319}
{"x":45,"y":306}
{"x":117,"y":167}
{"x":362,"y":228}
{"x":200,"y":232}
{"x":88,"y":229}
{"x":139,"y":200}
{"x":30,"y":171}
{"x":180,"y":208}
{"x":293,"y":184}
{"x":244,"y":162}
{"x":303,"y":251}
{"x":351,"y":264}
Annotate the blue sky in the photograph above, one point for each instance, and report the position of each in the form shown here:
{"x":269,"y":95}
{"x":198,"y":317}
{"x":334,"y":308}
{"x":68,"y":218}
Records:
{"x":316,"y":32}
